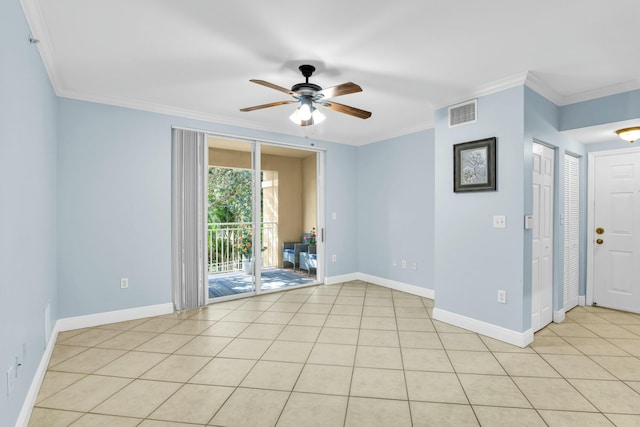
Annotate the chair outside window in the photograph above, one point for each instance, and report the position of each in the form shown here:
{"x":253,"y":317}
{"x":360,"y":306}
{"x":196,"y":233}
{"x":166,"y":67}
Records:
{"x":309,"y":259}
{"x":291,"y":252}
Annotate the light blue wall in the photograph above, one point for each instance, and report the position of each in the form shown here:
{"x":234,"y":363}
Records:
{"x":473,"y":260}
{"x":340,"y":195}
{"x":28,"y":205}
{"x":396,"y":208}
{"x":542,"y":122}
{"x":115,"y":204}
{"x":608,"y":109}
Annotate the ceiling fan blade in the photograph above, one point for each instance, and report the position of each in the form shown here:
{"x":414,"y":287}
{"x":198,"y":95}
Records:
{"x":343,"y":89}
{"x":273,"y":104}
{"x":272,"y":86}
{"x":341,"y":108}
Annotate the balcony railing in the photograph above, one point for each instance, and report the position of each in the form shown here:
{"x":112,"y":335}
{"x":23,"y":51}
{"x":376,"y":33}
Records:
{"x":223,"y":239}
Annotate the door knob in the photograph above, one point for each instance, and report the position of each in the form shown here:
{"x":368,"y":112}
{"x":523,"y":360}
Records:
{"x":599,"y":230}
{"x":599,"y":241}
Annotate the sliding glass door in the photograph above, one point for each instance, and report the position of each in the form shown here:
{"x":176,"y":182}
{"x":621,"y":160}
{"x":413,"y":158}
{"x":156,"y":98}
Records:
{"x":264,"y":226}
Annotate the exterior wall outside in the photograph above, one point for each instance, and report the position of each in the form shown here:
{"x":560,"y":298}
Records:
{"x":285,"y":200}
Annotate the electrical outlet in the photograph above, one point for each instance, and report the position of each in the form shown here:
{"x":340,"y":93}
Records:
{"x":124,"y":283}
{"x":404,"y":263}
{"x":502,"y":296}
{"x":499,"y":221}
{"x":334,"y":258}
{"x":414,"y":266}
{"x":334,"y":216}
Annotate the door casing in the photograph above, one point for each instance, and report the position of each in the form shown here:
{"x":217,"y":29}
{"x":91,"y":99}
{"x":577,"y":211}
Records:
{"x":591,"y":234}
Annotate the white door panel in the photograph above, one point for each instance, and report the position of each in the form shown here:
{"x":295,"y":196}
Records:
{"x":616,"y":250}
{"x":542,"y":261}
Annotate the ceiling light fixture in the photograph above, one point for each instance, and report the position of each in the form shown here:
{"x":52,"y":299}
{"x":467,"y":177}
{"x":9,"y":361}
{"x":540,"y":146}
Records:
{"x":629,"y":134}
{"x":306,"y":114}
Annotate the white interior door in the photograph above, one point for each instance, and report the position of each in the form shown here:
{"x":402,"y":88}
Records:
{"x":571,"y":231}
{"x":542,"y":262}
{"x":616,"y":243}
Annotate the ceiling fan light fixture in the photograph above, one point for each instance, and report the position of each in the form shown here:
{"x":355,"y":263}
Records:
{"x":317,"y":116}
{"x":629,"y":134}
{"x":304,"y":111}
{"x":306,"y":95}
{"x":306,"y":114}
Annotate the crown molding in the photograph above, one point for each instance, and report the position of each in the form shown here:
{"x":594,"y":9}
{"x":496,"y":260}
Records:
{"x":40,"y":32}
{"x":396,"y":133}
{"x":538,"y":85}
{"x":186,"y":114}
{"x":601,"y":92}
{"x":509,"y":82}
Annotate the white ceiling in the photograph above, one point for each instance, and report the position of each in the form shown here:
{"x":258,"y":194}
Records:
{"x":194,"y":58}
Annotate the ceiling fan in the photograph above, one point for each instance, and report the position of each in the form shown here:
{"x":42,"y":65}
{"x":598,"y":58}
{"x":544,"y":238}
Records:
{"x":309,"y":96}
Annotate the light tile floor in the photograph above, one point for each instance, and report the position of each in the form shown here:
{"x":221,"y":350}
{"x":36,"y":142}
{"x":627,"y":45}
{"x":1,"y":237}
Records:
{"x":354,"y":354}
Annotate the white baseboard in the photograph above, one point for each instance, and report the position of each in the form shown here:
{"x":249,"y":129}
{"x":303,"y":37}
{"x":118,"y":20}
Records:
{"x":78,"y":323}
{"x":398,"y":286}
{"x":98,"y":319}
{"x":381,"y":281}
{"x":520,"y":339}
{"x":334,"y":280}
{"x":582,"y":300}
{"x":34,"y":388}
{"x":558,"y":316}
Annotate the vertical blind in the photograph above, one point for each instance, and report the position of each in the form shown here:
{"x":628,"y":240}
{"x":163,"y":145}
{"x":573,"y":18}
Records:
{"x":571,"y":230}
{"x":188,"y":219}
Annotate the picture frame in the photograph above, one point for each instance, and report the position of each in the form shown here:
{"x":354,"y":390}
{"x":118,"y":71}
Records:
{"x":474,"y":166}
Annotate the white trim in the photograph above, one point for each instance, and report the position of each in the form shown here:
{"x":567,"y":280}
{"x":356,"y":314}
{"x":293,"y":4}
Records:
{"x":39,"y":31}
{"x":581,"y":300}
{"x":590,"y":212}
{"x":427,"y":124}
{"x":333,"y":280}
{"x":381,"y":281}
{"x":79,"y":322}
{"x":321,"y":225}
{"x":534,"y":83}
{"x":398,"y":286}
{"x":520,"y":339}
{"x":601,"y":92}
{"x":558,"y":316}
{"x":588,"y":299}
{"x":509,"y":82}
{"x":98,"y":319}
{"x":34,"y":388}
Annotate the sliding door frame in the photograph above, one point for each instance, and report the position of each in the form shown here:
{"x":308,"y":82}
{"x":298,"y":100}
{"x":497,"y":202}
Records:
{"x":256,"y":168}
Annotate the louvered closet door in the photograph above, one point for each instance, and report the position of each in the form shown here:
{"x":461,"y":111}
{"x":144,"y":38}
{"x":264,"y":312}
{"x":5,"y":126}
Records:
{"x":571,"y":230}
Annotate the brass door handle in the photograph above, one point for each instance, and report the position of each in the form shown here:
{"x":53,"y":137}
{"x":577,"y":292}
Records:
{"x":599,"y":241}
{"x":599,"y":230}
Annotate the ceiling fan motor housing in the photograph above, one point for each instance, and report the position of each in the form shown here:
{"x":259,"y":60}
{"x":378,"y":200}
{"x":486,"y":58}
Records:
{"x":306,"y":88}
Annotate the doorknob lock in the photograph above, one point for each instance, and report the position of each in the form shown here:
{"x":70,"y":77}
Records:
{"x":599,"y":230}
{"x":599,"y":241}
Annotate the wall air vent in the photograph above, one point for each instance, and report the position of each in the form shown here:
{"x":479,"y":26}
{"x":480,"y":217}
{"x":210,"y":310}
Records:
{"x":464,"y":113}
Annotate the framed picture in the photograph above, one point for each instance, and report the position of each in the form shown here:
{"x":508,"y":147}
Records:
{"x":474,"y":166}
